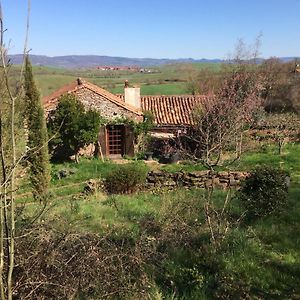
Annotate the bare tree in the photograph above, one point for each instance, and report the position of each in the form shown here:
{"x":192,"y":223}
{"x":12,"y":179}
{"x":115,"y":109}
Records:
{"x":228,"y":109}
{"x":223,"y":117}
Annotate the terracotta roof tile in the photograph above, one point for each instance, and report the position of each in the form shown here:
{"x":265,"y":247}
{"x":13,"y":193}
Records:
{"x":172,"y":110}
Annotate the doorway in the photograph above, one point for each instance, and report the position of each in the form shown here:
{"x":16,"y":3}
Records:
{"x":115,"y":140}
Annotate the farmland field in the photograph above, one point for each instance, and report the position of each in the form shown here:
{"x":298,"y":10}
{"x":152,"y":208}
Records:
{"x":165,"y":80}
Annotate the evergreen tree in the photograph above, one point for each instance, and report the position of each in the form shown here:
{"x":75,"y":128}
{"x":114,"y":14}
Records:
{"x":38,"y":156}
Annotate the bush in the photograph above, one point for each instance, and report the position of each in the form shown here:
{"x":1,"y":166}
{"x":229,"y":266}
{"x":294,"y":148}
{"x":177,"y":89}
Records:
{"x":126,"y":178}
{"x":72,"y":127}
{"x":264,"y":192}
{"x":79,"y":265}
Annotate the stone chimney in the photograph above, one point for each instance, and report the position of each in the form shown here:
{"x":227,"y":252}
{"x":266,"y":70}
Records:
{"x":132,"y":95}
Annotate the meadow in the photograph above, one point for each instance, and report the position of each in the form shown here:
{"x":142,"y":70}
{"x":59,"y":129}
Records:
{"x":164,"y":80}
{"x":257,"y":260}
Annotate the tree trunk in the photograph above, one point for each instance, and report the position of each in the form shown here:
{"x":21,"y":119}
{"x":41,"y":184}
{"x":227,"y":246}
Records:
{"x":77,"y":157}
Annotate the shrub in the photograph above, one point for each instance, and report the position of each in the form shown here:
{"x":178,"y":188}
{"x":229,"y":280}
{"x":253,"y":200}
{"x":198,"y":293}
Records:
{"x":126,"y":178}
{"x":72,"y":127}
{"x":264,"y":192}
{"x":79,"y":265}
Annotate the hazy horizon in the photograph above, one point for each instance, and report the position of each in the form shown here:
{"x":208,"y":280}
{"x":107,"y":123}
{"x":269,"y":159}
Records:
{"x":160,"y":29}
{"x":155,"y":58}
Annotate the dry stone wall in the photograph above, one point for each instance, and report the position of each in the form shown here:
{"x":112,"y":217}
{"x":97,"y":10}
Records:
{"x":200,"y":179}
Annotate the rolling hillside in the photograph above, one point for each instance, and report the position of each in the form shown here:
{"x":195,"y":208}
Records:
{"x":83,"y":61}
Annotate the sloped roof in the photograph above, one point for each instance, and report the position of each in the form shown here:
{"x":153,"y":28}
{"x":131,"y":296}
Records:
{"x":50,"y":101}
{"x":172,"y":110}
{"x":167,"y":110}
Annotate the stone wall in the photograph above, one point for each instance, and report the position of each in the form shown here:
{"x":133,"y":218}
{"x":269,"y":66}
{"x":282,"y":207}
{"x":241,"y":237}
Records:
{"x":105,"y":107}
{"x":201,"y":179}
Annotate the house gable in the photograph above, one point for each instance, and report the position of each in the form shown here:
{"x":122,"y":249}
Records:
{"x":94,"y":97}
{"x":107,"y":108}
{"x":168,"y":111}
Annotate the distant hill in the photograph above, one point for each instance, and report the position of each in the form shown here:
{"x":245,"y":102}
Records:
{"x":84,"y":61}
{"x":88,"y":61}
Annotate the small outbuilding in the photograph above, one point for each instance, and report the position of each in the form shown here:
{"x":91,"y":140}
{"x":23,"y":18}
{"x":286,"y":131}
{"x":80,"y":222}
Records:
{"x":173,"y":115}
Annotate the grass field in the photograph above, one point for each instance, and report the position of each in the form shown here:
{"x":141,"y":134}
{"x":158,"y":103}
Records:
{"x":260,"y":259}
{"x":156,"y":89}
{"x":165,"y":80}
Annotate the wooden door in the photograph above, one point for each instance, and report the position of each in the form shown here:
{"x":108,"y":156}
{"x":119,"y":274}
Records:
{"x":115,"y":140}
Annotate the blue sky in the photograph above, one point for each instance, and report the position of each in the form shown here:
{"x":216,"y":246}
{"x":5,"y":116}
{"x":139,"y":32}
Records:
{"x":153,"y":28}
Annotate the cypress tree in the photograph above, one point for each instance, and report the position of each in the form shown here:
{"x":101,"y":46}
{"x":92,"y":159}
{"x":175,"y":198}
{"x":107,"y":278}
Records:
{"x":38,"y":156}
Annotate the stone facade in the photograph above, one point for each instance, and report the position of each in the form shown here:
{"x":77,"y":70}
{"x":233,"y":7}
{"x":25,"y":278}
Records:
{"x":105,"y":107}
{"x":200,"y":179}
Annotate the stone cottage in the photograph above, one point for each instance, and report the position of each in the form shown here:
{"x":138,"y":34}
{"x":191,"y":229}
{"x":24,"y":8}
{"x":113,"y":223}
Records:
{"x":172,"y":114}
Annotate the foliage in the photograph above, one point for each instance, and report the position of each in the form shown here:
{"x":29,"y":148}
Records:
{"x":140,"y":130}
{"x":126,"y":178}
{"x":146,"y":125}
{"x":264,"y":192}
{"x":203,"y":81}
{"x":72,"y":127}
{"x":138,"y":127}
{"x":12,"y":156}
{"x":38,"y":156}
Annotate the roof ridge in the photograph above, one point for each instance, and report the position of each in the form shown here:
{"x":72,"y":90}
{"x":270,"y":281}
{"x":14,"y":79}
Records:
{"x":76,"y":85}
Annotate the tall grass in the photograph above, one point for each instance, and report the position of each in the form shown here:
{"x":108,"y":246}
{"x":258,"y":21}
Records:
{"x":260,"y":259}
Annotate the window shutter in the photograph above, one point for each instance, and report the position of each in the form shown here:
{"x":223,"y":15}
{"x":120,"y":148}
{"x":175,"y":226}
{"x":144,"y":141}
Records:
{"x":129,"y":141}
